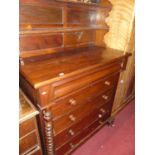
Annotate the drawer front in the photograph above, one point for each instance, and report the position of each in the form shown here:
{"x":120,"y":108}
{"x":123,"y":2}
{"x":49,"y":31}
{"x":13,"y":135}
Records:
{"x":49,"y":93}
{"x":36,"y":152}
{"x":78,"y":98}
{"x":28,"y":142}
{"x":61,"y":89}
{"x":102,"y":113}
{"x":26,"y":127}
{"x":71,"y":145}
{"x":79,"y":113}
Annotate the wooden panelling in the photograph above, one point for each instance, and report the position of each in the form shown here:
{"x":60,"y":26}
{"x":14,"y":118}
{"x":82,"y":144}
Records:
{"x":120,"y":21}
{"x":100,"y":37}
{"x":73,"y":39}
{"x":121,"y":37}
{"x":40,"y":41}
{"x":37,"y":16}
{"x":26,"y":127}
{"x":27,"y":143}
{"x":125,"y":90}
{"x":123,"y":94}
{"x":81,"y":17}
{"x":74,"y":25}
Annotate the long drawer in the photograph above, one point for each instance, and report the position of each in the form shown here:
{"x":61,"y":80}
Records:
{"x":81,"y":96}
{"x":49,"y":93}
{"x":61,"y":89}
{"x":102,"y":113}
{"x":26,"y":127}
{"x":74,"y":116}
{"x":84,"y":135}
{"x":28,"y":143}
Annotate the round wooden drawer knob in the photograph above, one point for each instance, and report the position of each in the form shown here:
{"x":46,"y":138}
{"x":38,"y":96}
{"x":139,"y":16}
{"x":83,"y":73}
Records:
{"x":72,"y":118}
{"x":72,"y":102}
{"x":105,"y":97}
{"x":107,"y":83}
{"x":102,"y":110}
{"x":99,"y":115}
{"x":61,"y":74}
{"x":44,"y":93}
{"x":71,"y":145}
{"x":71,"y":132}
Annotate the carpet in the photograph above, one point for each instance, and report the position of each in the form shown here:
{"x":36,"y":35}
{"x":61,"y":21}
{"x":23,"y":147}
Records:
{"x":117,"y":140}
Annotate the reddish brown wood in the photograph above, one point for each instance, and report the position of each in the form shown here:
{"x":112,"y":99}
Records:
{"x":28,"y":142}
{"x":51,"y":16}
{"x":28,"y":89}
{"x":81,"y":17}
{"x":72,"y":131}
{"x":34,"y":15}
{"x":29,"y":139}
{"x":86,"y":60}
{"x":37,"y":152}
{"x":65,"y":121}
{"x":63,"y":86}
{"x":74,"y":39}
{"x":131,"y":88}
{"x":48,"y":132}
{"x":61,"y":89}
{"x":37,"y":42}
{"x":81,"y":96}
{"x":64,"y":61}
{"x":26,"y":127}
{"x":78,"y":139}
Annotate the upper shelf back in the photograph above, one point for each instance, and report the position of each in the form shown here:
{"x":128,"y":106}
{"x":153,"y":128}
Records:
{"x":48,"y":27}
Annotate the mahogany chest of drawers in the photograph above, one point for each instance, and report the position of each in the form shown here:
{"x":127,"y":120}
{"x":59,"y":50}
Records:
{"x":29,"y":139}
{"x":66,"y":71}
{"x":74,"y":98}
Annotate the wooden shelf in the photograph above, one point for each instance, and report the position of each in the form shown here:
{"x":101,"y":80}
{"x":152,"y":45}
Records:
{"x":83,"y":4}
{"x":78,"y":2}
{"x":57,"y":30}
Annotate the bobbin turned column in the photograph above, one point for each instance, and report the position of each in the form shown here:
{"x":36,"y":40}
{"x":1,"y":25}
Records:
{"x":48,"y":132}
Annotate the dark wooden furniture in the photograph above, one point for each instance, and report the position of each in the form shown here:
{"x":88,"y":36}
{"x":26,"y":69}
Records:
{"x":29,"y":140}
{"x":66,"y":70}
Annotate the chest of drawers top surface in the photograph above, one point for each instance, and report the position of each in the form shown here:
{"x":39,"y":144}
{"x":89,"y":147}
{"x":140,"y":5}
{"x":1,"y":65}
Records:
{"x":27,"y":110}
{"x":40,"y":71}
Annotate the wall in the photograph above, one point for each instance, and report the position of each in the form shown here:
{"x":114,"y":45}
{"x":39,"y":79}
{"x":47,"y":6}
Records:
{"x":121,"y":36}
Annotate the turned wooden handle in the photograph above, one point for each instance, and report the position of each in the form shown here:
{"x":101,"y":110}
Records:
{"x":105,"y":97}
{"x":71,"y":145}
{"x":99,"y":115}
{"x":72,"y":101}
{"x":71,"y":132}
{"x":103,"y":111}
{"x":72,"y":118}
{"x":107,"y":83}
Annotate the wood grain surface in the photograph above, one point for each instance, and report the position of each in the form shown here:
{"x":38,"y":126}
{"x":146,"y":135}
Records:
{"x":121,"y":37}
